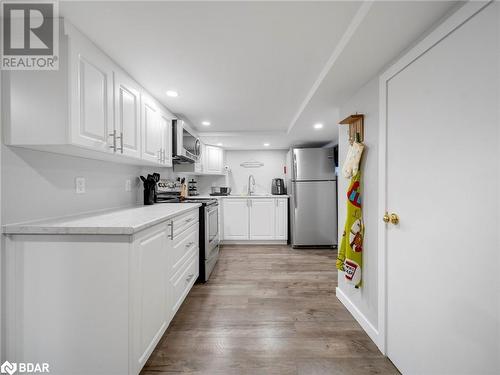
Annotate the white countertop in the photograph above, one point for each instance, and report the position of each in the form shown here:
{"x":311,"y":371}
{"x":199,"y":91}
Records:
{"x":118,"y":221}
{"x":257,"y":196}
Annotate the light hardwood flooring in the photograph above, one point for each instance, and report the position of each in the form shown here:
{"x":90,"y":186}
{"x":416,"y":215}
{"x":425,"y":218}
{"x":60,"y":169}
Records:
{"x":267,"y":310}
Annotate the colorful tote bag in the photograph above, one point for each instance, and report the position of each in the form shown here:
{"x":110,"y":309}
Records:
{"x":350,"y":256}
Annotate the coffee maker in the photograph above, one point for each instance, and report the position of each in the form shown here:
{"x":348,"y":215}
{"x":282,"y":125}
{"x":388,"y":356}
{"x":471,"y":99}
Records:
{"x":278,"y":186}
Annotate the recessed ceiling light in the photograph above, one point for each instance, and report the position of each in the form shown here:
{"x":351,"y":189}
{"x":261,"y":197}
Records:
{"x":219,"y":144}
{"x":318,"y":126}
{"x":172,"y":93}
{"x":205,"y":123}
{"x":266,"y":144}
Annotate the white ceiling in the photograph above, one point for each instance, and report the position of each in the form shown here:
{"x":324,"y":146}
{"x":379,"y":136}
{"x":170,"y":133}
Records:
{"x":258,"y":71}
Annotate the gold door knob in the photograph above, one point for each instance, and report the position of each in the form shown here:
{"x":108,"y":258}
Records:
{"x":386,"y":218}
{"x":394,"y":218}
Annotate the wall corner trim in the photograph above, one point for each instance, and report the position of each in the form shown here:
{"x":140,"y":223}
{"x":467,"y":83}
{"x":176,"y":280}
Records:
{"x":360,"y":318}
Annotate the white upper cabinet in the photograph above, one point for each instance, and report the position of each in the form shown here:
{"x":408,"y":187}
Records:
{"x":151,"y":134}
{"x":127,"y":115}
{"x":199,"y":164}
{"x":91,"y":95}
{"x":213,"y":161}
{"x":90,"y":108}
{"x":262,"y":219}
{"x":165,"y":124}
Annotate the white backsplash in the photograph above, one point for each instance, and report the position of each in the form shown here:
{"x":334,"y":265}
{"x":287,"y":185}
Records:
{"x":237,"y":178}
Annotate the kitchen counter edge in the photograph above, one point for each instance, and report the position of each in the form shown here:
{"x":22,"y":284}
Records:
{"x":125,"y":221}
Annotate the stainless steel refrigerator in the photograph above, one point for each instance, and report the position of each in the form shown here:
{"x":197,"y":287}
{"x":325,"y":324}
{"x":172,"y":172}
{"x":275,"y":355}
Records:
{"x":313,"y":202}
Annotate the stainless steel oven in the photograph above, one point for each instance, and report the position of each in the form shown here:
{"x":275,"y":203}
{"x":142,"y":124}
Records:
{"x":211,"y":237}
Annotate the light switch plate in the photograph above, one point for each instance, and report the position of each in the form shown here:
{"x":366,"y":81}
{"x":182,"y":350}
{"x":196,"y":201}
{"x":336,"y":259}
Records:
{"x":80,"y":185}
{"x":128,"y":185}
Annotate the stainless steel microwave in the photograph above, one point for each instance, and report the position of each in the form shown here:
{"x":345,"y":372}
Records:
{"x":186,"y":144}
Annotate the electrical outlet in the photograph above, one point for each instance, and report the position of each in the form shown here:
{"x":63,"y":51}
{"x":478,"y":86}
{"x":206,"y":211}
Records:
{"x":80,"y":185}
{"x":128,"y":185}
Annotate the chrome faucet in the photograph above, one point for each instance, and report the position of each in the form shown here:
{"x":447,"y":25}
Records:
{"x":251,"y":184}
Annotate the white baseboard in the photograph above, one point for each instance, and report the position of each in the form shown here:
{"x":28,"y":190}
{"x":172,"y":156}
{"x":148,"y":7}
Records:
{"x":359,"y":316}
{"x":253,"y":242}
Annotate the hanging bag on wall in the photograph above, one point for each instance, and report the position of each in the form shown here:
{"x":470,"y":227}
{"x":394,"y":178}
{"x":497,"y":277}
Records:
{"x":350,"y":256}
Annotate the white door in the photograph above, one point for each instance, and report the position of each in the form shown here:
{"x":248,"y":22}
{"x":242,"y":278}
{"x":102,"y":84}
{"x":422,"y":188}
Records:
{"x":262,"y":218}
{"x":91,"y":91}
{"x":443,"y":182}
{"x":128,"y":115}
{"x":151,"y":136}
{"x":165,"y":124}
{"x":152,"y":279}
{"x":281,"y":224}
{"x":235,"y":218}
{"x":213,"y":160}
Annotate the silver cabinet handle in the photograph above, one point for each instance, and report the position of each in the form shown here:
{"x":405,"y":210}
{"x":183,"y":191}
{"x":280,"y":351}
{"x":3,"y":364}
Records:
{"x":121,"y":142}
{"x":189,"y":244}
{"x":162,"y":156}
{"x":189,"y":277}
{"x":113,"y":146}
{"x":188,"y":220}
{"x":171,"y":225}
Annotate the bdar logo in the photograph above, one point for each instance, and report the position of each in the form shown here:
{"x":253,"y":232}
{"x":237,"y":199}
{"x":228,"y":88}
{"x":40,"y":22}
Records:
{"x":8,"y":368}
{"x":30,"y":35}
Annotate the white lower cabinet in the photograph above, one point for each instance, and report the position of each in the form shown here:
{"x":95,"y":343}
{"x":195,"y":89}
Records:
{"x":281,"y":219}
{"x":150,"y":302}
{"x":96,"y":304}
{"x":236,"y":219}
{"x":255,"y":219}
{"x":262,"y":219}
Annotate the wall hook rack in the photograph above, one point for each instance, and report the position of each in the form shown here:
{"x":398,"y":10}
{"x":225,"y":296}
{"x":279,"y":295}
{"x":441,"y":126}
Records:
{"x":356,"y":127}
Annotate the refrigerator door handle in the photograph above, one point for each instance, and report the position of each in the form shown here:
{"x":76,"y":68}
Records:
{"x":294,"y":176}
{"x":294,"y":194}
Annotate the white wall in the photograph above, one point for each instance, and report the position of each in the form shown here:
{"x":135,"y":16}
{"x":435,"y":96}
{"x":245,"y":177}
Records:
{"x":38,"y":185}
{"x":237,"y":178}
{"x":364,"y":101}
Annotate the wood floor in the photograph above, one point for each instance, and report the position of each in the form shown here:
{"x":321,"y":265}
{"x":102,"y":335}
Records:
{"x":267,"y":310}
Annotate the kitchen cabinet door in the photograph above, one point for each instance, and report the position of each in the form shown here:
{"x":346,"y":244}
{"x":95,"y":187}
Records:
{"x":281,"y":219}
{"x":199,"y":164}
{"x":151,"y":135}
{"x":151,"y":280}
{"x":91,"y":95}
{"x":235,"y":219}
{"x":128,"y":115}
{"x":165,"y":124}
{"x":262,"y":219}
{"x":213,"y":159}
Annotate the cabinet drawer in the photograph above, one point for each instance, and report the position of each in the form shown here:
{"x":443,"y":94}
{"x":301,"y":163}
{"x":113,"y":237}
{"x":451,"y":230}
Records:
{"x":182,"y":245}
{"x":182,"y":222}
{"x":184,"y":280}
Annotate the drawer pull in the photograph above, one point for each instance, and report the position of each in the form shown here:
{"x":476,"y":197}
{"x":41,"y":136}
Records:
{"x":188,"y":220}
{"x":189,"y":244}
{"x":188,"y":279}
{"x":171,"y":225}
